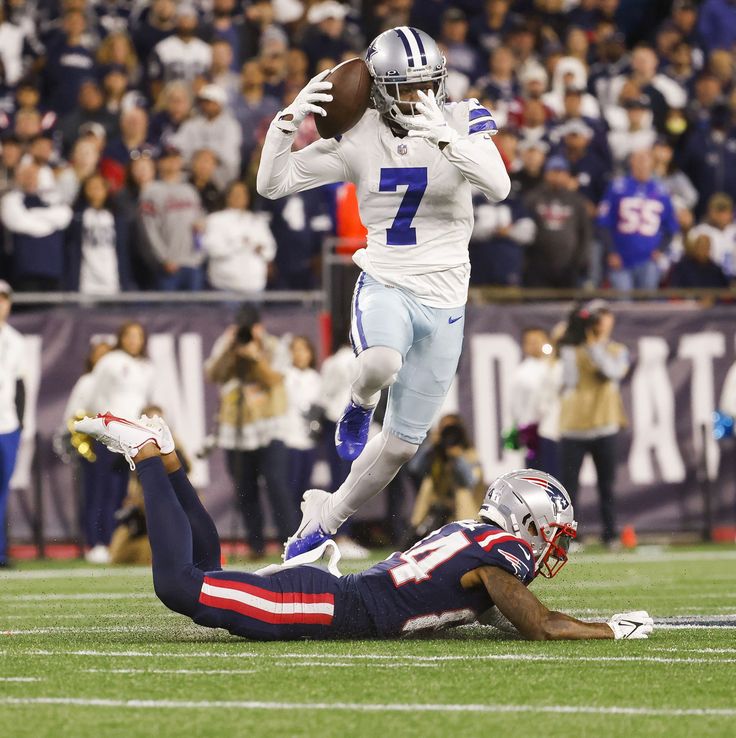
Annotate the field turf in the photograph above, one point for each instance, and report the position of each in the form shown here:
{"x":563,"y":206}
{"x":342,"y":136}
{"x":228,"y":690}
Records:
{"x":91,"y":652}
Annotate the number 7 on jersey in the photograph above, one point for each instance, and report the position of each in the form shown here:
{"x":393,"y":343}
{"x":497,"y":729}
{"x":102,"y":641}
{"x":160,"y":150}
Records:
{"x":415,"y":178}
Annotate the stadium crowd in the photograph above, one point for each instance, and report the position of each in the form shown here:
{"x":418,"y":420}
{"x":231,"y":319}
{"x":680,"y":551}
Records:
{"x":131,"y":131}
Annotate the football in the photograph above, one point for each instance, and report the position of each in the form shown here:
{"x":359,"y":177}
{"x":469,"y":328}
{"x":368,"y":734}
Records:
{"x":351,"y":90}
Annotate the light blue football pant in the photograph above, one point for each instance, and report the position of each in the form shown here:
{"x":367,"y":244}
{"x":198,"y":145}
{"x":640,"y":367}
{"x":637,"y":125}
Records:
{"x":429,"y":340}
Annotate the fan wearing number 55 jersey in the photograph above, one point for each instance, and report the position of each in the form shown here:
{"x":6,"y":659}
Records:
{"x":453,"y":576}
{"x":413,"y":159}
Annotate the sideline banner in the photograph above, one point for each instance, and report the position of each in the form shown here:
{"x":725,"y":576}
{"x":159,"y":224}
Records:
{"x":681,"y":354}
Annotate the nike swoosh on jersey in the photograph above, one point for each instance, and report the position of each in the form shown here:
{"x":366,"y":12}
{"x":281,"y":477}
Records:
{"x":454,"y":320}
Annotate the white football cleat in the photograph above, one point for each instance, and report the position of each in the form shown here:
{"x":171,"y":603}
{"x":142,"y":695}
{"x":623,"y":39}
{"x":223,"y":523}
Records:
{"x":158,"y":424}
{"x":121,"y":436}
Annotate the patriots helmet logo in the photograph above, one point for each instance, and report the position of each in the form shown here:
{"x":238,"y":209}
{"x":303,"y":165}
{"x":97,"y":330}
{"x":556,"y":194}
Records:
{"x":554,"y":493}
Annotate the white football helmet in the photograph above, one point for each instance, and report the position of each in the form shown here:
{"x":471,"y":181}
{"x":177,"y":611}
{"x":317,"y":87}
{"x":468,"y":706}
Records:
{"x":404,"y":55}
{"x":534,"y":506}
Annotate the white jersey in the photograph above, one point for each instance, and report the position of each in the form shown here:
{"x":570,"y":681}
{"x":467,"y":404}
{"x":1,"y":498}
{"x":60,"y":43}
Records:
{"x":123,"y":384}
{"x":415,"y":199}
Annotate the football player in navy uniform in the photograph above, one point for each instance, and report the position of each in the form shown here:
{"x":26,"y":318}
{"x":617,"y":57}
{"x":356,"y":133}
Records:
{"x":456,"y":575}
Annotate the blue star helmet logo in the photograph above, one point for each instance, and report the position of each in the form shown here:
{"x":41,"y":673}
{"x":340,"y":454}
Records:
{"x":371,"y":51}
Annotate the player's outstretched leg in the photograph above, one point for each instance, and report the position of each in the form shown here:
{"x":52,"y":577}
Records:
{"x":176,"y":580}
{"x":378,"y":368}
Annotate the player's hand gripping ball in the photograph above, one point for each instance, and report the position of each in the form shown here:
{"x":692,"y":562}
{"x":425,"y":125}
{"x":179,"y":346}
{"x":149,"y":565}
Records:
{"x":351,"y":92}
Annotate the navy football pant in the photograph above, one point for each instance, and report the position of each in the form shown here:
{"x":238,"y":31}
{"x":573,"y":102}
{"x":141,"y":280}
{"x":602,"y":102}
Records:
{"x":303,"y":602}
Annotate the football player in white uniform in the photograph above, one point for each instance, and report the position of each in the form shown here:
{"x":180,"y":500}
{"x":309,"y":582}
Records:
{"x":413,"y":158}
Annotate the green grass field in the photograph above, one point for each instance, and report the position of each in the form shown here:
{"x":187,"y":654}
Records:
{"x":91,"y":652}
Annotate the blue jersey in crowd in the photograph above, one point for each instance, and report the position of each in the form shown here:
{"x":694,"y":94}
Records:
{"x":420,"y":588}
{"x":640,"y":218}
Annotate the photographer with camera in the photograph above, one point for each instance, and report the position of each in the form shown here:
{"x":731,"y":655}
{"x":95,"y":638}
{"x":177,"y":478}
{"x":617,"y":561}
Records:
{"x":452,"y":479}
{"x":249,"y":365}
{"x":592,"y":412}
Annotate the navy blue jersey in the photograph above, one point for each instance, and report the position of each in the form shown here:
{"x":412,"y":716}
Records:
{"x":420,"y":588}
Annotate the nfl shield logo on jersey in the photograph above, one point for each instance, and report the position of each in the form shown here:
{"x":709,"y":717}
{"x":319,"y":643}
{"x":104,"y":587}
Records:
{"x":402,"y":149}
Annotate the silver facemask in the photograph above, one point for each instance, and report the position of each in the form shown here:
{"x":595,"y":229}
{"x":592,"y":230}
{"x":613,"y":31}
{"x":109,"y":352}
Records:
{"x":407,"y":56}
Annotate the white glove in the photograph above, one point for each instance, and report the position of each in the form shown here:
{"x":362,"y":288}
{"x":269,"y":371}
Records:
{"x":631,"y":625}
{"x":430,"y":123}
{"x":304,"y":103}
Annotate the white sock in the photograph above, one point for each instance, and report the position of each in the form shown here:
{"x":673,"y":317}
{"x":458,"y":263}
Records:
{"x":378,"y":367}
{"x":379,"y":463}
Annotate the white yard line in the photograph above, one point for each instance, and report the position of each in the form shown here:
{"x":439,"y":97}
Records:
{"x":77,"y":573}
{"x":655,"y":556}
{"x":20,"y":679}
{"x":80,"y":596}
{"x":326,"y":659}
{"x":370,"y":707}
{"x":170,"y":671}
{"x":57,"y":630}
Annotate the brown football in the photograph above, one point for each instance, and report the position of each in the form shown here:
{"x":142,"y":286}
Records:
{"x":351,"y":91}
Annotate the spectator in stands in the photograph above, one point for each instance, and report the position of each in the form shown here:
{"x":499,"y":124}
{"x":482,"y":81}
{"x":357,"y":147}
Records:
{"x":10,"y":156}
{"x":559,"y":254}
{"x":82,"y":164}
{"x":90,"y":109}
{"x":530,"y":173}
{"x":696,"y":268}
{"x":115,"y":90}
{"x":500,"y":85}
{"x":304,"y":426}
{"x":172,"y":217}
{"x":123,"y":381}
{"x":181,"y":56}
{"x":272,"y":60}
{"x":67,"y":64}
{"x":300,"y":222}
{"x":158,"y":23}
{"x":253,"y":106}
{"x":133,"y":141}
{"x":140,"y":174}
{"x":226,"y":24}
{"x":591,"y":412}
{"x":489,"y":28}
{"x":202,"y":177}
{"x":174,"y":106}
{"x":11,"y":50}
{"x":97,"y":243}
{"x":36,"y":232}
{"x":117,"y":53}
{"x":326,"y":34}
{"x":463,"y":62}
{"x":674,"y":180}
{"x":709,"y":158}
{"x":221,"y":72}
{"x":588,"y":168}
{"x":246,"y":364}
{"x":215,"y":129}
{"x":636,"y":220}
{"x":720,"y":228}
{"x":238,"y":244}
{"x":717,"y":24}
{"x":12,"y":402}
{"x":501,"y":232}
{"x":637,"y":132}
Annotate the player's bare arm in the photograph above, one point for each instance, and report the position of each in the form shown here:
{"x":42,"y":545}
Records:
{"x":531,"y":618}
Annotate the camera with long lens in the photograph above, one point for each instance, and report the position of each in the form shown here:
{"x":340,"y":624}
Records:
{"x":244,"y":335}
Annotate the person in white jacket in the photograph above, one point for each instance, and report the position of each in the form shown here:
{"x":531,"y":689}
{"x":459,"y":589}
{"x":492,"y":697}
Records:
{"x":94,"y":496}
{"x":239,"y":244}
{"x":123,"y":378}
{"x":304,"y":390}
{"x":36,"y":231}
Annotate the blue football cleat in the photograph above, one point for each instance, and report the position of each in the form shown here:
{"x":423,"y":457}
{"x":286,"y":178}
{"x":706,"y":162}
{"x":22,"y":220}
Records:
{"x":351,"y":433}
{"x":296,"y":546}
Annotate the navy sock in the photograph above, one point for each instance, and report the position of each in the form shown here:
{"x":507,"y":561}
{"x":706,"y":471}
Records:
{"x":205,"y":539}
{"x":175,"y":579}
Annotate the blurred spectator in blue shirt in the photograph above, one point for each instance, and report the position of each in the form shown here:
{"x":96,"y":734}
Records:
{"x":717,"y":24}
{"x":637,"y":221}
